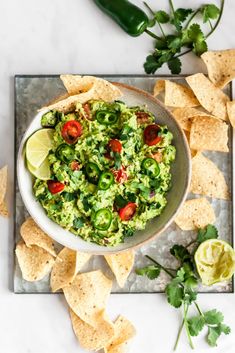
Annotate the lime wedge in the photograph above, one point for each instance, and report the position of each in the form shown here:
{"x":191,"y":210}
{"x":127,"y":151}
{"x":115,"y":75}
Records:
{"x":43,"y":172}
{"x":38,"y":145}
{"x":215,"y":261}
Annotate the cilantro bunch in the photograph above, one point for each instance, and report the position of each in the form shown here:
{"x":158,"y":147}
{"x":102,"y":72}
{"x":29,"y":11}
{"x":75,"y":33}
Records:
{"x":181,"y":291}
{"x":185,"y":34}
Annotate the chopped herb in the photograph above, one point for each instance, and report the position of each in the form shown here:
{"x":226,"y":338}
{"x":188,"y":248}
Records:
{"x":69,"y":196}
{"x":78,"y":222}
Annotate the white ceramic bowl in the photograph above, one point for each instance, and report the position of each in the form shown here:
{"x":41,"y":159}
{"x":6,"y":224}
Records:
{"x":181,"y":172}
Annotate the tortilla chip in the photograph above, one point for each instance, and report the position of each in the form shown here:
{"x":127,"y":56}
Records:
{"x":91,"y":338}
{"x":76,"y":84}
{"x":208,"y":133}
{"x":220,"y":66}
{"x":33,"y":235}
{"x":194,"y":214}
{"x":158,"y":87}
{"x":121,"y":265}
{"x":231,"y":112}
{"x":207,"y":179}
{"x":3,"y":183}
{"x":3,"y":210}
{"x":209,"y":96}
{"x":66,"y":267}
{"x":35,"y":262}
{"x":121,"y":348}
{"x":101,"y":89}
{"x":176,"y":94}
{"x":88,"y":294}
{"x":193,"y":152}
{"x":184,"y":116}
{"x":124,"y":331}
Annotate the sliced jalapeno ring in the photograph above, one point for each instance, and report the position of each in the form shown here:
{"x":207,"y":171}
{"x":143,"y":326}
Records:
{"x":65,"y":153}
{"x":106,"y":180}
{"x":106,"y":117}
{"x":93,"y":172}
{"x":150,"y":167}
{"x":102,"y":219}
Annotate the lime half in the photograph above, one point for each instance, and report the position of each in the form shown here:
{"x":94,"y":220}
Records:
{"x":38,"y":145}
{"x":43,"y":172}
{"x":215,"y":261}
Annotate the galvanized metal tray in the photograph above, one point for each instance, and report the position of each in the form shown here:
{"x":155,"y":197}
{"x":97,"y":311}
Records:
{"x":32,"y":92}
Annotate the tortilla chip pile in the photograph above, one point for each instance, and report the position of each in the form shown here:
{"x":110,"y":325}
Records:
{"x":86,"y":293}
{"x":3,"y":189}
{"x":203,"y":111}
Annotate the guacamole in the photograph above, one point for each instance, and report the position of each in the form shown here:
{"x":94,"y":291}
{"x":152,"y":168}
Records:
{"x":110,"y":170}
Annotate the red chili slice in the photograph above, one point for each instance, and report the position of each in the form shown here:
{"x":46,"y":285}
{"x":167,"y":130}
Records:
{"x":127,"y":212}
{"x":74,"y":165}
{"x":151,"y":137}
{"x":87,"y":110}
{"x":71,"y":131}
{"x":120,"y":175}
{"x":55,"y":186}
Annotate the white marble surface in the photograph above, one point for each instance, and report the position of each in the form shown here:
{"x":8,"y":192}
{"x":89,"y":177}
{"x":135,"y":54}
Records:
{"x":58,"y":36}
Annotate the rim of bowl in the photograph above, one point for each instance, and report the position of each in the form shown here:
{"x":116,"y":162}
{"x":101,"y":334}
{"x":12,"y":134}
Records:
{"x":171,"y":219}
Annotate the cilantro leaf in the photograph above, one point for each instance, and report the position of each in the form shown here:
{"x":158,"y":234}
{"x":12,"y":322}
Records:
{"x":225,"y":329}
{"x":174,"y":42}
{"x":164,"y":55}
{"x":120,"y":201}
{"x":199,"y":48}
{"x":175,"y":293}
{"x":189,"y":295}
{"x":195,"y":33}
{"x":151,"y":271}
{"x":180,"y":252}
{"x":209,"y":232}
{"x":78,"y":222}
{"x":213,"y":317}
{"x":196,"y":324}
{"x":151,"y":64}
{"x":209,"y":12}
{"x":198,"y":39}
{"x":162,"y":16}
{"x":161,"y":44}
{"x":180,"y":15}
{"x":213,"y":335}
{"x":174,"y":66}
{"x":180,"y":274}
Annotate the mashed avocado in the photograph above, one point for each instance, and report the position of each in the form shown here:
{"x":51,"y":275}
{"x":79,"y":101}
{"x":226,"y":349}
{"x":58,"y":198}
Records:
{"x":114,"y":168}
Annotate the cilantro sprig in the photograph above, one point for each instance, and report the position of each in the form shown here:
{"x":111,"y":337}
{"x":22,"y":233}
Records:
{"x":181,"y":291}
{"x":186,"y":33}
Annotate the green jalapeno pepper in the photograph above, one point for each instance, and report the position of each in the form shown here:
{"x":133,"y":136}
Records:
{"x":150,"y":167}
{"x":128,"y":16}
{"x":65,"y":153}
{"x":106,"y":180}
{"x":102,"y":219}
{"x":106,"y":117}
{"x":92,"y":172}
